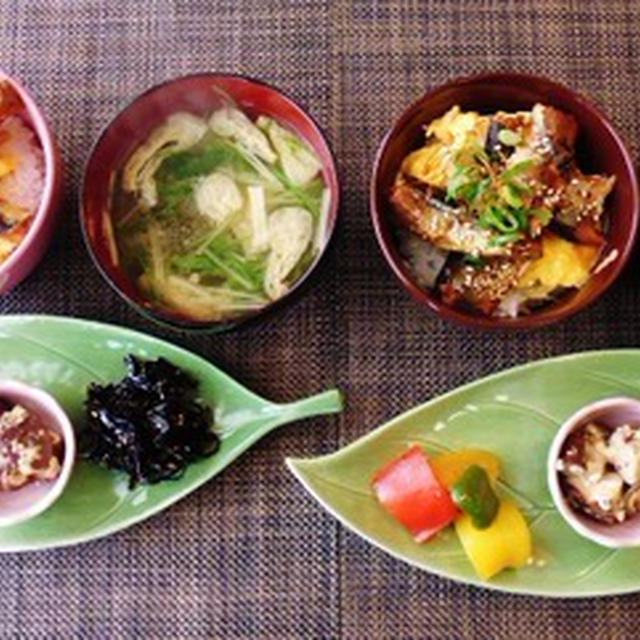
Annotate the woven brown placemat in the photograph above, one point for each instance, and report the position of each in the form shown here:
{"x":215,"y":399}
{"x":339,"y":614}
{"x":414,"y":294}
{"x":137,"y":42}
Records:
{"x":251,"y":555}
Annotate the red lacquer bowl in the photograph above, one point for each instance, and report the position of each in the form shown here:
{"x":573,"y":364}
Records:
{"x":133,"y":125}
{"x":599,"y":149}
{"x":34,"y":245}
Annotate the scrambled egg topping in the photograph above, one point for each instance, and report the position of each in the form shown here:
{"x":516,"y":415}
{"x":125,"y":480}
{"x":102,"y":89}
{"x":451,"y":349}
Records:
{"x":455,"y":130}
{"x":562,"y":264}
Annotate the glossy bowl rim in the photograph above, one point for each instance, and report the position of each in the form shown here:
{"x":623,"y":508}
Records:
{"x":43,"y":399}
{"x":186,"y":325}
{"x":52,"y":172}
{"x":574,"y":421}
{"x":524,"y":322}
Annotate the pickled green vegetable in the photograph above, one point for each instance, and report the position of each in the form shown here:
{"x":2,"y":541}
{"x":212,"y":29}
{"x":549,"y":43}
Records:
{"x":473,"y":493}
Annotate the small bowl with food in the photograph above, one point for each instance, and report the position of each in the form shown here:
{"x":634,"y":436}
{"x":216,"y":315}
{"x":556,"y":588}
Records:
{"x":37,"y":451}
{"x":208,"y":200}
{"x":504,"y":201}
{"x":594,"y":472}
{"x":30,"y":183}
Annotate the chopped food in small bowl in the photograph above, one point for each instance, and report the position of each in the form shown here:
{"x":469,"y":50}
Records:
{"x":37,"y":451}
{"x":209,"y":200}
{"x":30,"y":183}
{"x":594,"y":471}
{"x":504,"y":201}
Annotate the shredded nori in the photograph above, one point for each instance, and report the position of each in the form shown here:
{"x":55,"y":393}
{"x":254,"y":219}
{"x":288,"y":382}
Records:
{"x":149,"y":424}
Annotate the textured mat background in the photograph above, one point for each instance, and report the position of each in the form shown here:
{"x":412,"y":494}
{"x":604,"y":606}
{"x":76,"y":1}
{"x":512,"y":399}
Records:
{"x":250,"y":555}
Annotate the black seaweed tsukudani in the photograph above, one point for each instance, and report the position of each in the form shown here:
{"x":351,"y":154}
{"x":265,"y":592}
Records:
{"x":148,"y":424}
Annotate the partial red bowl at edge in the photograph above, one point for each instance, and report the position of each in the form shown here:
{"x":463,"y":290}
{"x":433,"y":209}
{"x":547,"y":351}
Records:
{"x":133,"y":125}
{"x":599,"y":149}
{"x":34,"y":245}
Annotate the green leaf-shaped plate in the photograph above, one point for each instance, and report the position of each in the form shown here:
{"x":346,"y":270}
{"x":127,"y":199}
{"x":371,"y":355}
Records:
{"x":514,"y":414}
{"x":63,"y":356}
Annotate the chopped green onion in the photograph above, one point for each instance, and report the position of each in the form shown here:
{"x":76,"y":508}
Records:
{"x":505,"y":238}
{"x":474,"y":261}
{"x":511,"y":196}
{"x":516,"y":169}
{"x":482,"y":185}
{"x":520,"y":187}
{"x":522,"y":216}
{"x":508,"y":137}
{"x":543,"y":214}
{"x":499,"y":218}
{"x":458,"y":180}
{"x":469,"y":191}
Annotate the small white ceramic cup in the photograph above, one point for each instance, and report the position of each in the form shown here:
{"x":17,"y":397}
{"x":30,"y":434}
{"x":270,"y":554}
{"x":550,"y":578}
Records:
{"x":612,"y":412}
{"x":27,"y":502}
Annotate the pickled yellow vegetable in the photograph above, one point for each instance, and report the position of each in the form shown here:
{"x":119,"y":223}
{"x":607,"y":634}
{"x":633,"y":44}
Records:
{"x":448,"y":467}
{"x":506,"y":543}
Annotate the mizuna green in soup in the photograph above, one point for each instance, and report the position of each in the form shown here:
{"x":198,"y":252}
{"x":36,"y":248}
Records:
{"x":216,"y":217}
